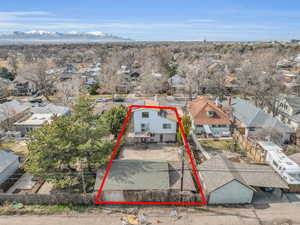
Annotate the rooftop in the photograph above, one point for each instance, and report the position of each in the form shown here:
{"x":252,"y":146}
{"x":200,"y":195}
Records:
{"x":144,"y":175}
{"x":36,"y":119}
{"x":6,"y":159}
{"x":218,"y":171}
{"x":199,"y":109}
{"x":11,"y":108}
{"x":251,"y":116}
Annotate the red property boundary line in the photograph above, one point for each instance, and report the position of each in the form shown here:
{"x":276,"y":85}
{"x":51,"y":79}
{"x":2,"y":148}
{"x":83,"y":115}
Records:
{"x":187,"y":148}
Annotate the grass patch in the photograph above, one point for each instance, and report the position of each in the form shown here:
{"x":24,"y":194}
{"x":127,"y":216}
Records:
{"x":219,"y":145}
{"x":19,"y":209}
{"x":18,"y":147}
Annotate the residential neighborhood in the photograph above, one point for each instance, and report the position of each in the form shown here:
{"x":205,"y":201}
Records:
{"x":149,"y":112}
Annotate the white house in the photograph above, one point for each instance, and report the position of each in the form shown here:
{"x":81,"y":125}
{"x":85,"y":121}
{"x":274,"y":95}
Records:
{"x":35,"y":121}
{"x":153,"y":125}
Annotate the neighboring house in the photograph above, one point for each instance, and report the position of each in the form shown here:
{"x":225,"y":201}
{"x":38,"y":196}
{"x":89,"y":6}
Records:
{"x":177,"y":83}
{"x":126,"y":177}
{"x":250,"y":119}
{"x":10,"y":112}
{"x":226,"y":182}
{"x":40,"y":114}
{"x":153,"y":125}
{"x":35,"y":121}
{"x":289,"y":110}
{"x":4,"y":88}
{"x":9,"y":163}
{"x":50,"y":108}
{"x":208,"y":118}
{"x":22,"y":87}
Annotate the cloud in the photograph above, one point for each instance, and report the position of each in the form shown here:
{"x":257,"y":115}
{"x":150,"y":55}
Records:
{"x":201,"y":21}
{"x":12,"y":16}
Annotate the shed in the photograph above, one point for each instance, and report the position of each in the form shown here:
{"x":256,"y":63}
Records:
{"x":9,"y":163}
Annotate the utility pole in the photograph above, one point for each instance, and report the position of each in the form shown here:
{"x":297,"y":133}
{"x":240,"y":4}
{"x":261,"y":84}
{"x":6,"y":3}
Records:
{"x":182,"y":167}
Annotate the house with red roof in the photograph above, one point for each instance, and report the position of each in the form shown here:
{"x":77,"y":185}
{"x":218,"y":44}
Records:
{"x":209,"y":119}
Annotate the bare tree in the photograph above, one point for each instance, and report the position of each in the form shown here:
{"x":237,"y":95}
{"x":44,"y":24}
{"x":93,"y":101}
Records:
{"x":68,"y":91}
{"x":110,"y":78}
{"x":36,"y":73}
{"x":7,"y":114}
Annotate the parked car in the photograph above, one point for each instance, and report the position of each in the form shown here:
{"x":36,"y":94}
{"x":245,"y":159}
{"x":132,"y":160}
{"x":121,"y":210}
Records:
{"x":102,"y":100}
{"x":36,"y":100}
{"x":119,"y":100}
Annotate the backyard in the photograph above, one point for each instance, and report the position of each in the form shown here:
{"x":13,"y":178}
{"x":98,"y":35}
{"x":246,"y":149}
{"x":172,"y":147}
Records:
{"x":166,"y":152}
{"x":220,"y":145}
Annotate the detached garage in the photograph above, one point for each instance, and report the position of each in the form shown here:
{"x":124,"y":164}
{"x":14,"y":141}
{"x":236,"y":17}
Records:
{"x":226,"y":182}
{"x":9,"y":163}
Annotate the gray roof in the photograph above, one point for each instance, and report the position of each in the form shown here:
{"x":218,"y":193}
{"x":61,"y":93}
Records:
{"x":218,"y":171}
{"x":252,"y":116}
{"x":294,"y":102}
{"x":6,"y":159}
{"x":145,"y":175}
{"x":50,"y":108}
{"x":10,"y":109}
{"x":296,"y":118}
{"x":135,"y":175}
{"x":296,"y":158}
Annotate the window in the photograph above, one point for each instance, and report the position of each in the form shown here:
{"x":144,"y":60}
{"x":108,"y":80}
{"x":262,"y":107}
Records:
{"x":210,"y":113}
{"x":145,"y":114}
{"x":143,"y":127}
{"x":251,"y":128}
{"x":275,"y":164}
{"x":166,"y":126}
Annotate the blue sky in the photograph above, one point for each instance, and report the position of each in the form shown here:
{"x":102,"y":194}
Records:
{"x":158,"y":20}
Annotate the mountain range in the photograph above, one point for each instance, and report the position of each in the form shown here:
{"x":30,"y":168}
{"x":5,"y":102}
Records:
{"x":46,"y":37}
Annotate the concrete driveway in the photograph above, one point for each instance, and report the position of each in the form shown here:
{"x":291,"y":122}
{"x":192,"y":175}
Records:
{"x":168,"y":152}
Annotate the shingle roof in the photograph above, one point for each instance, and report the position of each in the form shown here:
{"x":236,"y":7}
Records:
{"x":219,"y":171}
{"x":296,"y":158}
{"x":252,"y":116}
{"x":135,"y":175}
{"x":9,"y":109}
{"x":145,"y":175}
{"x":294,"y":102}
{"x":51,"y":108}
{"x":199,"y":108}
{"x":6,"y":159}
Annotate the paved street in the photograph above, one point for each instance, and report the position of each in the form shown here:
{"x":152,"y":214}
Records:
{"x":277,"y":214}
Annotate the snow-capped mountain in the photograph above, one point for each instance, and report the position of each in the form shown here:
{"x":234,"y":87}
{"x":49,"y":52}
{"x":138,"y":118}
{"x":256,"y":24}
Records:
{"x":40,"y":36}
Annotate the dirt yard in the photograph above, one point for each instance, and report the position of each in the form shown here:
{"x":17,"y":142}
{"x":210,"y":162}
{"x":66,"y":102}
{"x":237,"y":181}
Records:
{"x":167,"y":152}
